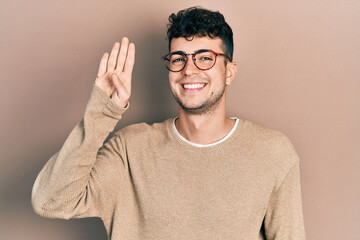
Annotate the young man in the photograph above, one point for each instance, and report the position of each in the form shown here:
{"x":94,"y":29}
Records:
{"x":202,"y":175}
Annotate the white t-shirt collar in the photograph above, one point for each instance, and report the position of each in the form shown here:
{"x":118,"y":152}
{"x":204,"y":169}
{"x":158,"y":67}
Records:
{"x":211,"y":144}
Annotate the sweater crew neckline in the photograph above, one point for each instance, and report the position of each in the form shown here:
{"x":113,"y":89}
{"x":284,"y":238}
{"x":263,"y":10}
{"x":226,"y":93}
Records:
{"x":236,"y":129}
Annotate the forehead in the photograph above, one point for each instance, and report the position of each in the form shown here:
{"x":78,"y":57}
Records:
{"x":195,"y":43}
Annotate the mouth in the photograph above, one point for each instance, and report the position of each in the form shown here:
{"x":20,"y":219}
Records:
{"x":193,"y":86}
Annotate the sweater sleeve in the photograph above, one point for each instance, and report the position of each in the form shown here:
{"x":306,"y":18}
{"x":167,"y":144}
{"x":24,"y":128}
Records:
{"x":284,"y":215}
{"x":80,"y":180}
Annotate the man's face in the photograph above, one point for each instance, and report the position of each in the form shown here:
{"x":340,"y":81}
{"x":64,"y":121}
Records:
{"x":210,"y":85}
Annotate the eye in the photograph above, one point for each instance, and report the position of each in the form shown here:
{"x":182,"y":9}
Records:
{"x":177,"y":59}
{"x":205,"y":58}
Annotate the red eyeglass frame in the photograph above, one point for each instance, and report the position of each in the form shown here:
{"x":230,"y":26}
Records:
{"x":165,"y":57}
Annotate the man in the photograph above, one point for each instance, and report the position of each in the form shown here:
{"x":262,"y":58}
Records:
{"x":201,"y":175}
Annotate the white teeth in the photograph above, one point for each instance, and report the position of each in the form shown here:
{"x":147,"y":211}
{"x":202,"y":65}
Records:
{"x":194,"y":86}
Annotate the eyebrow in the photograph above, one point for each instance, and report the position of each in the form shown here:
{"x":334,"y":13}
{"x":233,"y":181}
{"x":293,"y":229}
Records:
{"x":196,"y":51}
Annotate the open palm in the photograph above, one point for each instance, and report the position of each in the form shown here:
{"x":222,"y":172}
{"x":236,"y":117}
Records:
{"x":115,"y":72}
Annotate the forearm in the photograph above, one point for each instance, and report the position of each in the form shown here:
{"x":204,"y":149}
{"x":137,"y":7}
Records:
{"x":63,"y":181}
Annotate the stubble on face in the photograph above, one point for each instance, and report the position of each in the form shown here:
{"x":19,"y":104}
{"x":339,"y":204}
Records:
{"x":206,"y":107}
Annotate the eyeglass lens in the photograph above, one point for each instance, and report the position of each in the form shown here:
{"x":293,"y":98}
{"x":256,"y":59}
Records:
{"x":203,"y":60}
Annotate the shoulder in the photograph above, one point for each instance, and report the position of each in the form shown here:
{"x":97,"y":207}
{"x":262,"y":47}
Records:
{"x":272,"y":142}
{"x":252,"y":129}
{"x":271,"y":151}
{"x":142,"y":137}
{"x":143,"y":130}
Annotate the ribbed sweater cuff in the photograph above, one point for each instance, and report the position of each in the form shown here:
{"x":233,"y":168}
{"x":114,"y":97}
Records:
{"x":101,"y":102}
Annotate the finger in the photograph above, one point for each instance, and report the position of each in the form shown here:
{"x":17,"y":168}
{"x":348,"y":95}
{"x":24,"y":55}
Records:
{"x":130,"y":61}
{"x":103,"y":64}
{"x":113,"y":56}
{"x":122,"y":54}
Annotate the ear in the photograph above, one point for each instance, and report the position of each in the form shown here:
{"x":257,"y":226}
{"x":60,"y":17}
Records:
{"x":231,"y":70}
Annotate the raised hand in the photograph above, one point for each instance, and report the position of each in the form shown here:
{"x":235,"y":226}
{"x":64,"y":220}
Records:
{"x":115,"y":72}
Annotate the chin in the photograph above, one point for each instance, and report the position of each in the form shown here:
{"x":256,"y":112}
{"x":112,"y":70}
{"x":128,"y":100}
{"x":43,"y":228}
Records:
{"x":204,"y":108}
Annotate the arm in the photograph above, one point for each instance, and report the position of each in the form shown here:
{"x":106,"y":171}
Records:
{"x":81,"y":179}
{"x":284,"y":215}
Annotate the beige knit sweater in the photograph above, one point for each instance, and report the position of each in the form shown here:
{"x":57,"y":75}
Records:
{"x":146,"y":182}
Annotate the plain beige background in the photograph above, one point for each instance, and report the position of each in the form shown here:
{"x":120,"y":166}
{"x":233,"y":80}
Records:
{"x":298,"y":73}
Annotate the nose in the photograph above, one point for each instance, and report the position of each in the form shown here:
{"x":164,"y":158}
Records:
{"x":190,"y":67}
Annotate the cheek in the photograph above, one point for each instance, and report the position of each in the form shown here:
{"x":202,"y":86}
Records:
{"x":173,"y":77}
{"x":218,"y":71}
{"x":172,"y":80}
{"x":219,"y":77}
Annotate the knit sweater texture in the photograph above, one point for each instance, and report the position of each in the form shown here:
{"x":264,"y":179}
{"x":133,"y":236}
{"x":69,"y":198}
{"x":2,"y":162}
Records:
{"x":146,"y":182}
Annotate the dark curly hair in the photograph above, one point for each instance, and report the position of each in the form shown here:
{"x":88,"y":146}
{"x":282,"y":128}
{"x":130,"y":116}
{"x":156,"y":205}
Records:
{"x":197,"y":21}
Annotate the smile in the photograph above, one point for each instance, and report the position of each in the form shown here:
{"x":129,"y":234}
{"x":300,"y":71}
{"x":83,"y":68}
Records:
{"x":194,"y":86}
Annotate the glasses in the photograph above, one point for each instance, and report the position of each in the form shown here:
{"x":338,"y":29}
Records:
{"x":204,"y":59}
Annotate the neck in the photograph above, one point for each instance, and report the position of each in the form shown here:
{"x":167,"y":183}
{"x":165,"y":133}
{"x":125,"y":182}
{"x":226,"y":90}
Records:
{"x":205,"y":128}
